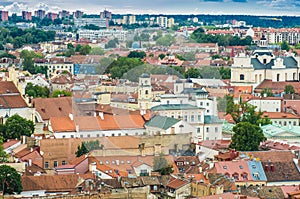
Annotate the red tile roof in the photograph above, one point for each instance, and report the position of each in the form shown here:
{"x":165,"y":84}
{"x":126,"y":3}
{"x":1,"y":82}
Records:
{"x":10,"y":143}
{"x":54,"y":107}
{"x":177,"y":183}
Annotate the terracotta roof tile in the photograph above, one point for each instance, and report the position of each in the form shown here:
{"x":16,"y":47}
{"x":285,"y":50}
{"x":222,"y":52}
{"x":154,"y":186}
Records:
{"x":62,"y":124}
{"x":54,"y":107}
{"x":10,"y":143}
{"x":177,"y":183}
{"x":53,"y":183}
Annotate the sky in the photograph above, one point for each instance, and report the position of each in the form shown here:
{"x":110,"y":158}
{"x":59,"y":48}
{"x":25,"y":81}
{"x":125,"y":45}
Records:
{"x":253,"y":7}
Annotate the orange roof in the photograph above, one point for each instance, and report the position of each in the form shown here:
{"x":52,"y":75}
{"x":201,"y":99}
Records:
{"x":177,"y":183}
{"x":62,"y":124}
{"x":10,"y":143}
{"x":54,"y":107}
{"x":280,"y":115}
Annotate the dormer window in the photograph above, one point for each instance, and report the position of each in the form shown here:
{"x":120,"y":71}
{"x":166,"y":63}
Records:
{"x":264,"y":61}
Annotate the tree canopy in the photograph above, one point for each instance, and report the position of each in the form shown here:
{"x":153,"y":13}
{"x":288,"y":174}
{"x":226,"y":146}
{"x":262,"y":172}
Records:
{"x":10,"y":180}
{"x":246,"y":137}
{"x":61,"y":93}
{"x":16,"y":126}
{"x":81,"y":150}
{"x":161,"y":165}
{"x":289,"y":89}
{"x":36,"y":91}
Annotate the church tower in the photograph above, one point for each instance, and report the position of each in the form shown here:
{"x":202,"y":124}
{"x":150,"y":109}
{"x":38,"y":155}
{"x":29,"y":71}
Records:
{"x":144,"y":92}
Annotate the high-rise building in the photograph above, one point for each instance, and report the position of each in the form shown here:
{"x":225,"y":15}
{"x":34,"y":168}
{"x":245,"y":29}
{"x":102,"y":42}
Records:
{"x":63,"y":14}
{"x":125,"y":19}
{"x":26,"y":16}
{"x":3,"y":15}
{"x":40,"y":14}
{"x":78,"y":14}
{"x":52,"y":16}
{"x":171,"y":22}
{"x":162,"y":21}
{"x":132,"y":19}
{"x":105,"y":15}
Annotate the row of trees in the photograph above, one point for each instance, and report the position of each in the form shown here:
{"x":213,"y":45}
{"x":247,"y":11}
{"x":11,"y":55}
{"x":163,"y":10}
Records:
{"x":18,"y":37}
{"x":223,"y":40}
{"x":208,"y":72}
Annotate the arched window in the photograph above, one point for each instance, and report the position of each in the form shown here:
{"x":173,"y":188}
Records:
{"x":242,"y":77}
{"x":146,"y":92}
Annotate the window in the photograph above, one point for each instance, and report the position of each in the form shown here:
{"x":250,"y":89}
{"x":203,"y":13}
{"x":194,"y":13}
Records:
{"x":294,"y":123}
{"x":284,"y":123}
{"x":207,"y":129}
{"x":98,"y":135}
{"x":81,"y":136}
{"x":72,"y":136}
{"x":216,"y":129}
{"x":224,"y":167}
{"x":192,"y":118}
{"x":88,"y":135}
{"x":198,"y":130}
{"x":113,"y":134}
{"x":185,"y":118}
{"x":146,"y":92}
{"x":63,"y":162}
{"x":199,"y":118}
{"x":55,"y":164}
{"x":264,"y":61}
{"x":201,"y":103}
{"x":278,"y":77}
{"x":207,"y":104}
{"x":46,"y":165}
{"x":242,"y":77}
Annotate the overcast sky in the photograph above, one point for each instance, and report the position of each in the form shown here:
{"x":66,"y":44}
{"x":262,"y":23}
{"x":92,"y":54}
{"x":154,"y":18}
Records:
{"x":256,"y":7}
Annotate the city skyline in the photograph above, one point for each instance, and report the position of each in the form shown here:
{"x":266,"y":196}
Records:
{"x":255,"y":7}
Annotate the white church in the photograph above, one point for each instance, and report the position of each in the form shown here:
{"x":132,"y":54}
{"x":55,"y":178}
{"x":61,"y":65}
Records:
{"x":263,"y":64}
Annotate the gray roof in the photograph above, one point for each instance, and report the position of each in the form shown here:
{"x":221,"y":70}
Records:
{"x":162,"y":122}
{"x":211,"y":119}
{"x":289,"y":62}
{"x":164,"y":107}
{"x":257,"y":65}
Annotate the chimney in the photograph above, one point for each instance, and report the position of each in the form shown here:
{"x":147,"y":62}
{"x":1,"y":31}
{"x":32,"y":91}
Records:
{"x":272,"y":168}
{"x":31,"y":149}
{"x":200,"y":169}
{"x":29,"y":162}
{"x":71,"y":116}
{"x":93,"y":167}
{"x":101,"y":115}
{"x":142,"y":111}
{"x":77,"y":128}
{"x":23,"y":139}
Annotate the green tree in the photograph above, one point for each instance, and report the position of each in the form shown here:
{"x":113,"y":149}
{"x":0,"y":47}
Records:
{"x":84,"y":50}
{"x":97,"y":51}
{"x":161,"y":165}
{"x":112,"y":43}
{"x":289,"y":89}
{"x":137,"y":54}
{"x":166,"y":40}
{"x":161,"y":56}
{"x":267,"y":92}
{"x":246,"y":137}
{"x":192,"y":73}
{"x":36,"y":91}
{"x":3,"y":155}
{"x":61,"y":93}
{"x":244,"y":112}
{"x":285,"y":46}
{"x":16,"y":126}
{"x":225,"y":72}
{"x":225,"y":104}
{"x":81,"y":150}
{"x":10,"y":180}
